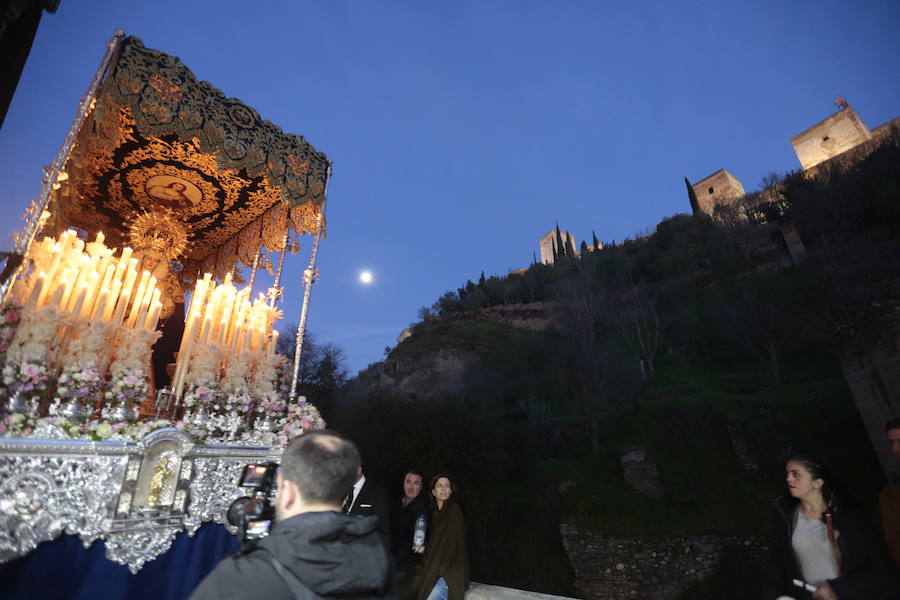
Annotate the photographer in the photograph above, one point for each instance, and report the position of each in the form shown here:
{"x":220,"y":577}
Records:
{"x":314,"y":550}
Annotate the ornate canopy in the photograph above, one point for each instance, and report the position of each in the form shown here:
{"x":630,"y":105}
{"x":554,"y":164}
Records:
{"x":158,"y":141}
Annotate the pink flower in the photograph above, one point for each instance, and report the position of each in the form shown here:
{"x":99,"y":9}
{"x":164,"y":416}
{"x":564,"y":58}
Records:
{"x":30,"y":370}
{"x":2,"y":427}
{"x":4,"y":347}
{"x":305,"y":423}
{"x":130,"y":380}
{"x":11,"y":317}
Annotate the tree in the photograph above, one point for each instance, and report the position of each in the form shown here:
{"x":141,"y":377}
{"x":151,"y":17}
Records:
{"x":584,"y":248}
{"x":560,"y":248}
{"x":595,"y":243}
{"x":322,"y":369}
{"x":643,"y":323}
{"x":591,"y":369}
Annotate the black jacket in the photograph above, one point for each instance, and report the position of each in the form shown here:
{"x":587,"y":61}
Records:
{"x":865,"y":574}
{"x":373,"y":500}
{"x":335,"y":555}
{"x":403,"y":523}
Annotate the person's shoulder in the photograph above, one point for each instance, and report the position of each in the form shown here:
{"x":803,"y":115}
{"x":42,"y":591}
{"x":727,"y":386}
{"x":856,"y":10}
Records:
{"x":239,"y":576}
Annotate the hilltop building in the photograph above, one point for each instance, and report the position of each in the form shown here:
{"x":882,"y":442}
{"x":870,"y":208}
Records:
{"x":828,"y":138}
{"x":719,"y":188}
{"x":841,"y":132}
{"x":548,"y":245}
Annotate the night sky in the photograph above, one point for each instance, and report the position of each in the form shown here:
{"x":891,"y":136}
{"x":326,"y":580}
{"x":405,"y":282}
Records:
{"x":461,"y":132}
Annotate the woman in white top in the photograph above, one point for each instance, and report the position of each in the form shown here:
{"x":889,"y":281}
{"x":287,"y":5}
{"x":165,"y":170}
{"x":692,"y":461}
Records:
{"x":819,"y":541}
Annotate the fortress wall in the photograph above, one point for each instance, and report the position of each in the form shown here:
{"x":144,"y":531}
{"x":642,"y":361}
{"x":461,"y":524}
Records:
{"x":836,"y":134}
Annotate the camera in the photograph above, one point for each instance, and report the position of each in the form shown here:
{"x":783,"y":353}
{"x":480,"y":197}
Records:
{"x":253,"y":514}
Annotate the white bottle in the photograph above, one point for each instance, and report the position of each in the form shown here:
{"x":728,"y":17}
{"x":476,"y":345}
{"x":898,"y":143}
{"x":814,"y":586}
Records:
{"x":419,"y":532}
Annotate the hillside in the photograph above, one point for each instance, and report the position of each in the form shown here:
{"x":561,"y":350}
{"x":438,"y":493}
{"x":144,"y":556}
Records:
{"x":706,"y":349}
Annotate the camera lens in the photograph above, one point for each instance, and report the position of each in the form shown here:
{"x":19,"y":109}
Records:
{"x":244,"y":509}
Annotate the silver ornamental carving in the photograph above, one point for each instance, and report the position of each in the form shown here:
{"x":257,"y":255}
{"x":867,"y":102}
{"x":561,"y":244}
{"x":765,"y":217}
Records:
{"x":134,"y":496}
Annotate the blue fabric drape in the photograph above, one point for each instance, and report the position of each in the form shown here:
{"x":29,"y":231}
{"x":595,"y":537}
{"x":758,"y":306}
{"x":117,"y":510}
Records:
{"x":64,"y":570}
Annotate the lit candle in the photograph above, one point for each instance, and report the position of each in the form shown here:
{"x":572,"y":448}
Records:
{"x":93,"y":281}
{"x":79,"y":299}
{"x":59,"y":292}
{"x":37,"y":293}
{"x":111,"y":302}
{"x":83,"y":264}
{"x":130,"y":275}
{"x":108,"y":273}
{"x":142,"y":312}
{"x":207,"y":325}
{"x":69,"y":276}
{"x":187,"y":340}
{"x":153,"y":315}
{"x":120,"y":307}
{"x":54,"y":264}
{"x":135,"y":306}
{"x":100,"y":308}
{"x":223,"y":330}
{"x":274,"y":343}
{"x":100,"y":238}
{"x":143,"y":283}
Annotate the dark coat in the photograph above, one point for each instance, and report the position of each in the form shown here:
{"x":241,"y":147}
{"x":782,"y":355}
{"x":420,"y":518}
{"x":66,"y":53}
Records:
{"x":445,"y":556}
{"x":865,"y":572}
{"x":373,"y":500}
{"x":335,"y":555}
{"x":403,"y":524}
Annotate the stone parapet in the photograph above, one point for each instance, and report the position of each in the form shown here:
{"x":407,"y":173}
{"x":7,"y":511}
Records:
{"x":651,"y":568}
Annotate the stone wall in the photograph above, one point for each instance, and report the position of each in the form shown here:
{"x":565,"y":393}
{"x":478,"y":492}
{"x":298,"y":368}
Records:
{"x":661,"y":568}
{"x":719,"y":188}
{"x":536,"y":316}
{"x":836,"y":134}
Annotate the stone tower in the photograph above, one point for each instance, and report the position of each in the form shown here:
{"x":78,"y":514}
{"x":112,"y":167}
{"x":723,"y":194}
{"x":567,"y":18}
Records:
{"x":838,"y":133}
{"x":548,"y":242}
{"x":719,"y":188}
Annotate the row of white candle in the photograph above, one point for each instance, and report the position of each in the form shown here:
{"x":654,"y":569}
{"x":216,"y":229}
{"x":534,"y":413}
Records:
{"x":225,"y":316}
{"x":95,"y":285}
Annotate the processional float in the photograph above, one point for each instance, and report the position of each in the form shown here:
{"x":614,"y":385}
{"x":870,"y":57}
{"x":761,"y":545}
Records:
{"x":162,"y":187}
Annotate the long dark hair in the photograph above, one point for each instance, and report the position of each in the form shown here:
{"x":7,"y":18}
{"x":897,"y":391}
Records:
{"x":434,"y":481}
{"x":818,"y":471}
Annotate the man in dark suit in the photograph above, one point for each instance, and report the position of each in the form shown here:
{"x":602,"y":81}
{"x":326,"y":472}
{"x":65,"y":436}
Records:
{"x":403,"y":521}
{"x":369,"y":498}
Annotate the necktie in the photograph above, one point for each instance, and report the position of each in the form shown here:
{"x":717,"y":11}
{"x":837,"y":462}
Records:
{"x":348,"y":502}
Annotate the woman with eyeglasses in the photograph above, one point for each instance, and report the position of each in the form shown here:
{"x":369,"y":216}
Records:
{"x":821,"y":548}
{"x":444,"y":572}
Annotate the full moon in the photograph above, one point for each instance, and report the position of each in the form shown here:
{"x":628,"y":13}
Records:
{"x":365,"y":277}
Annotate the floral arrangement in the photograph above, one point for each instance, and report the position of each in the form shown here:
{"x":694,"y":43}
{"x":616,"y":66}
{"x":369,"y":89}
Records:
{"x":239,"y":402}
{"x":82,"y":374}
{"x":28,"y":353}
{"x":199,"y":394}
{"x":301,"y":417}
{"x":9,"y":320}
{"x":128,"y":386}
{"x":79,"y":381}
{"x":264,"y":386}
{"x":237,"y":373}
{"x":202,"y":375}
{"x":128,"y":371}
{"x":25,"y":375}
